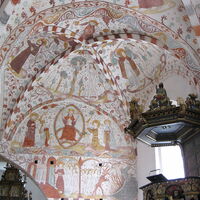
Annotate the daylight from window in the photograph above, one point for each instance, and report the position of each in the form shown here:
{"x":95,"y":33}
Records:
{"x":170,"y":162}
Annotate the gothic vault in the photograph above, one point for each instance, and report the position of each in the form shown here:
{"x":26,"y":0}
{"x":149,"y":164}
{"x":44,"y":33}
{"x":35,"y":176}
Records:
{"x":68,"y":71}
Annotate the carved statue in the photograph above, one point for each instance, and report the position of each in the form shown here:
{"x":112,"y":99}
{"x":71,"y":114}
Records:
{"x":135,"y":114}
{"x":161,"y":99}
{"x":30,"y":195}
{"x":192,"y":102}
{"x":135,"y":109}
{"x":11,"y":184}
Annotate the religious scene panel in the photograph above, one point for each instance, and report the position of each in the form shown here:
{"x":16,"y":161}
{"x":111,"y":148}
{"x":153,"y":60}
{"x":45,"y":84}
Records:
{"x":69,"y":128}
{"x":68,"y":22}
{"x":68,"y":72}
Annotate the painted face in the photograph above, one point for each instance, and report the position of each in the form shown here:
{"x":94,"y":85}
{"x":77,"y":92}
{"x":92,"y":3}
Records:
{"x":107,"y":122}
{"x":123,"y":54}
{"x":78,"y":63}
{"x":23,"y":73}
{"x":71,"y":112}
{"x":96,"y":125}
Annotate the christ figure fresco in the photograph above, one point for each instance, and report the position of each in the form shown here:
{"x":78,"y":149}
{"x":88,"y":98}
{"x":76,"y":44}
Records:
{"x":69,"y":130}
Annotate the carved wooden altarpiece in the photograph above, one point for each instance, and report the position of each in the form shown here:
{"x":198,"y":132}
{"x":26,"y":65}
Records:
{"x":12,"y":185}
{"x":165,"y":124}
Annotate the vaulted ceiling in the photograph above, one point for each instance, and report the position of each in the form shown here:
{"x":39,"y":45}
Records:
{"x":89,"y":59}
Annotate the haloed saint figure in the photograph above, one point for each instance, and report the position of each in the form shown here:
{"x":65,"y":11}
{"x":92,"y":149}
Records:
{"x":69,"y":126}
{"x":69,"y":130}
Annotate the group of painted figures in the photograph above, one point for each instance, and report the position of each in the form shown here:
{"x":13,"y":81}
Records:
{"x":54,"y":178}
{"x":68,"y":133}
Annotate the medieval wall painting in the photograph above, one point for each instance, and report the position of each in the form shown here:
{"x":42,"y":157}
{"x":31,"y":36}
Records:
{"x":150,"y":4}
{"x":46,"y":43}
{"x":68,"y":110}
{"x":82,"y":177}
{"x":90,"y":134}
{"x":29,"y":140}
{"x":17,"y":63}
{"x":70,"y":129}
{"x":73,"y":126}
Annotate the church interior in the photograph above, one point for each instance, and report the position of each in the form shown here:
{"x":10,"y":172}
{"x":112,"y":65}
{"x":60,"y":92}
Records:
{"x":75,"y":76}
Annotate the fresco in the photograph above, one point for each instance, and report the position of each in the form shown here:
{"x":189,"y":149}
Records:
{"x":68,"y":71}
{"x":70,"y":130}
{"x":65,"y":112}
{"x":81,"y":177}
{"x":43,"y":37}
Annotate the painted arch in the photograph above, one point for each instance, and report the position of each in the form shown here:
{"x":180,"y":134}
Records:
{"x":69,"y":72}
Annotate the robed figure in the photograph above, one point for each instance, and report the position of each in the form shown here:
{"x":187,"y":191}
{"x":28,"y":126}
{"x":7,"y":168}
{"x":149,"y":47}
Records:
{"x":17,"y":63}
{"x":89,"y":30}
{"x":150,"y":3}
{"x":60,"y":181}
{"x":122,"y":56}
{"x":69,"y":130}
{"x":29,"y":140}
